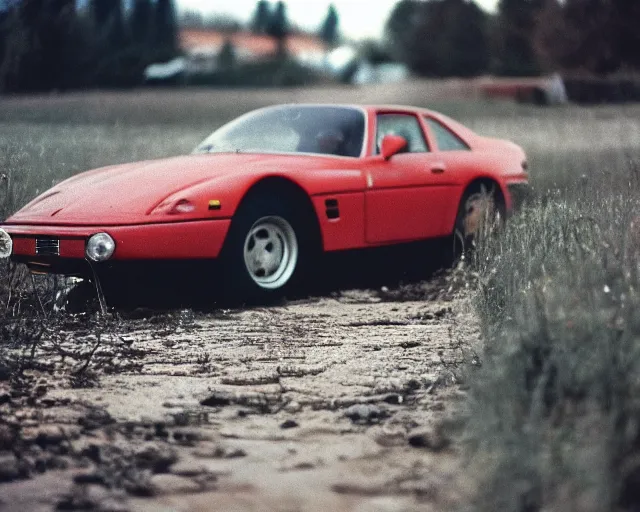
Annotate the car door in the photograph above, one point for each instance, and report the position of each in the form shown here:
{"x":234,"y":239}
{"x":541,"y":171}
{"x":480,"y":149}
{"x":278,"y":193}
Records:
{"x":408,"y":195}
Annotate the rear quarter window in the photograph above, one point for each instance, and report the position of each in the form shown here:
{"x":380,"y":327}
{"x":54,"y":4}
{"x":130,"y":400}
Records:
{"x":445,"y":138}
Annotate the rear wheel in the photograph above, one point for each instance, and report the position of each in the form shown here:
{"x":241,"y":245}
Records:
{"x":481,"y":213}
{"x":270,"y":249}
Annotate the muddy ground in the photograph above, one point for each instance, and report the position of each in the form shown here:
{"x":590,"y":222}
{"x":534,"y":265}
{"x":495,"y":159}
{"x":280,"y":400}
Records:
{"x":333,"y":403}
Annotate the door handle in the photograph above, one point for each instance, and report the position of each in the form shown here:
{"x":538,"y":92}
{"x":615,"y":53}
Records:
{"x":438,"y":168}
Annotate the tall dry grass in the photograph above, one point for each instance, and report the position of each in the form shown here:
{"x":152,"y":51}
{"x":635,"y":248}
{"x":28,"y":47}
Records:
{"x":554,"y":420}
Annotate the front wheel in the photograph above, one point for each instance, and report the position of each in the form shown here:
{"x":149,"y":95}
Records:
{"x":269,"y":250}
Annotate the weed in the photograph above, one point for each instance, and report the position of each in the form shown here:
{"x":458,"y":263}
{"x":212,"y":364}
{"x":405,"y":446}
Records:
{"x":203,"y":359}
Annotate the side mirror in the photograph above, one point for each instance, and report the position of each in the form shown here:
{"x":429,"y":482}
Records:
{"x":392,"y":145}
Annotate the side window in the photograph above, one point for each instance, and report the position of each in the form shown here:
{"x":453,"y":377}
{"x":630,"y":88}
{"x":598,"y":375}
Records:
{"x":446,"y":139}
{"x":406,"y":126}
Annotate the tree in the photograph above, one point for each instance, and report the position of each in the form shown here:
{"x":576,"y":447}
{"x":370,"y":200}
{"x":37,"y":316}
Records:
{"x":116,"y":30}
{"x":595,"y":39}
{"x":4,"y":30}
{"x":439,"y":37}
{"x":108,"y":24}
{"x":141,"y":51}
{"x":110,"y":44}
{"x":261,"y":18}
{"x":400,"y":28}
{"x":165,"y":30}
{"x":62,"y":41}
{"x":598,"y":36}
{"x":627,"y":14}
{"x":142,"y":23}
{"x":17,"y":62}
{"x":279,"y":27}
{"x":101,"y":12}
{"x":227,"y":56}
{"x":43,"y":46}
{"x":468,"y":28}
{"x":329,"y":29}
{"x":515,"y":27}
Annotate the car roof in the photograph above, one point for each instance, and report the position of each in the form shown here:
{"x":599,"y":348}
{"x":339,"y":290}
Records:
{"x":397,"y":108}
{"x":366,"y":107}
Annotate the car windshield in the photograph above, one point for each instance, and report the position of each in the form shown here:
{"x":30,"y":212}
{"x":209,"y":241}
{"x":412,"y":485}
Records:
{"x":292,"y":129}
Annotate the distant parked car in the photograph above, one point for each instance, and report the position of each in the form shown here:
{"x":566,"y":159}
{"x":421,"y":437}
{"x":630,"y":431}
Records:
{"x":269,"y":192}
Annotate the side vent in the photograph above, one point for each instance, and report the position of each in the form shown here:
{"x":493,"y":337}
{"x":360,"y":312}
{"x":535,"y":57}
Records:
{"x":333,"y":212}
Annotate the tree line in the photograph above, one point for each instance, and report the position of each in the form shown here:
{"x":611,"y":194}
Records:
{"x":273,"y":21}
{"x":524,"y":37}
{"x":65,"y":44}
{"x":54,"y":45}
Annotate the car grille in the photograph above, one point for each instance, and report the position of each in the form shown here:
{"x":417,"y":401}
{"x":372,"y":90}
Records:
{"x":47,"y":246}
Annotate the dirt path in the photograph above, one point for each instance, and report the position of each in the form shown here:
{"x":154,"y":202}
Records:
{"x":325,"y":404}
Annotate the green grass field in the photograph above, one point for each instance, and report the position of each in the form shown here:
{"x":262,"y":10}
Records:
{"x":555,"y":419}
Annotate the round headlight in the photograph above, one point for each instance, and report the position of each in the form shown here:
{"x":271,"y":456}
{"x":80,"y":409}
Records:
{"x":6,"y":244}
{"x":100,"y":247}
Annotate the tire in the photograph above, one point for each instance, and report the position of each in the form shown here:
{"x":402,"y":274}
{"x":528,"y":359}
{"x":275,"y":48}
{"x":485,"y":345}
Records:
{"x":481,"y":213}
{"x":76,"y":297}
{"x":270,"y":249}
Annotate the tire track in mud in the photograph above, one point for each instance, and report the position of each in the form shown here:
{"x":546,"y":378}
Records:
{"x":326,"y":404}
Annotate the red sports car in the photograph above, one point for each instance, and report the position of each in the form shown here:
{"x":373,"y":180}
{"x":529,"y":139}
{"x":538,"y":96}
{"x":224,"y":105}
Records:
{"x":268,"y":192}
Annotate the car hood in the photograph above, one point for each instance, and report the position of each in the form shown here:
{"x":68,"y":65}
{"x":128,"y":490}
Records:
{"x":126,"y":194}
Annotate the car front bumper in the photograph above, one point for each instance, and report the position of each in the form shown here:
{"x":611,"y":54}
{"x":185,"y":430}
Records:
{"x":61,"y":249}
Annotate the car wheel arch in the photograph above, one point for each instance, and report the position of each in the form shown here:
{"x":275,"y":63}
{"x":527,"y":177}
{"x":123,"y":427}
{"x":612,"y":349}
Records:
{"x":490,"y":183}
{"x":289,"y":188}
{"x":460,"y":237}
{"x":477,"y":182}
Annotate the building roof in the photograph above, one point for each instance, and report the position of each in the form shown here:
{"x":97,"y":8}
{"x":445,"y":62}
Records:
{"x":201,"y":40}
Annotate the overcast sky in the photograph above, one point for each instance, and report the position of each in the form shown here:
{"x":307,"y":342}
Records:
{"x":358,"y":18}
